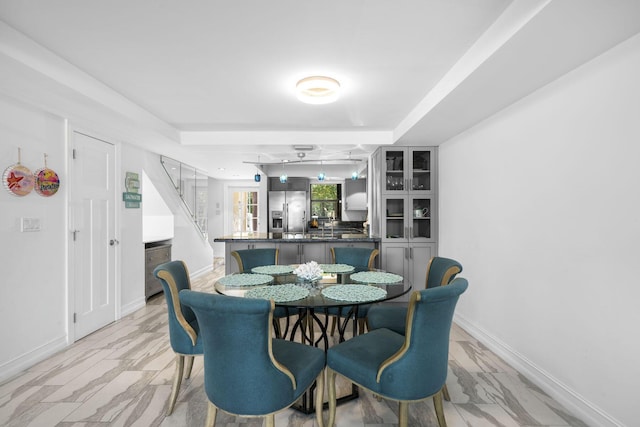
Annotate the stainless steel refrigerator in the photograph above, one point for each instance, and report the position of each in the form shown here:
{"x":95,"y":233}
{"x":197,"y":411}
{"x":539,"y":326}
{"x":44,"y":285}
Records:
{"x":287,"y":211}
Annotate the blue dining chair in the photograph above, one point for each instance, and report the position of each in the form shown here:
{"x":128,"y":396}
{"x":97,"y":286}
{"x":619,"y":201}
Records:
{"x":440,"y":271}
{"x":403,"y":368}
{"x":247,"y":259}
{"x":363,"y":259}
{"x":246,"y":371}
{"x":250,"y":258}
{"x":183,"y":326}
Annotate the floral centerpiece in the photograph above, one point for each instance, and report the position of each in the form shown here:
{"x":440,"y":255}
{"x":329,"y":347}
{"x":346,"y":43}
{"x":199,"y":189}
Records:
{"x":309,"y":272}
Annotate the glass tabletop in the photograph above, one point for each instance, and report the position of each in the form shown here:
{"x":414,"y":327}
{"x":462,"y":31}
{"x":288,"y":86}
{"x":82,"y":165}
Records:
{"x":316,"y":298}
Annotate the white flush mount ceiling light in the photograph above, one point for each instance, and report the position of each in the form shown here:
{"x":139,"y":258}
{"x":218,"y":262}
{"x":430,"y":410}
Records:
{"x":318,"y":90}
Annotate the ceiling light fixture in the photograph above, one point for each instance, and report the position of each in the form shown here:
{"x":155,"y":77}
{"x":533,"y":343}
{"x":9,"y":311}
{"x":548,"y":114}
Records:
{"x":318,"y":90}
{"x":257,"y":177}
{"x":283,"y":177}
{"x":321,"y":174}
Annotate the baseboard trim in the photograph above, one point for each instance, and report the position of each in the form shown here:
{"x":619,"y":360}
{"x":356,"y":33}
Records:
{"x":574,"y":402}
{"x":27,"y":360}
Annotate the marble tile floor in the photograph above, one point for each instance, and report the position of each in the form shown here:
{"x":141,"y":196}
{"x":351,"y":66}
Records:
{"x":121,"y":376}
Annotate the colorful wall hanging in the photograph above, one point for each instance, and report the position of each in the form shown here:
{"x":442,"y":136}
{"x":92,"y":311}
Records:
{"x":18,"y":179}
{"x":47,"y":181}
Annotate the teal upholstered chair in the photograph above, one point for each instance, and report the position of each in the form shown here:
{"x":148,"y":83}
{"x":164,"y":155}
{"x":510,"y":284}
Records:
{"x":363,"y":259}
{"x":404,"y":368}
{"x":440,"y":271}
{"x":246,"y":371}
{"x":249,"y":258}
{"x":183,"y":326}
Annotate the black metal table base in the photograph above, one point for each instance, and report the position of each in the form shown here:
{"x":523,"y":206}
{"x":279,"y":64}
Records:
{"x":307,"y":318}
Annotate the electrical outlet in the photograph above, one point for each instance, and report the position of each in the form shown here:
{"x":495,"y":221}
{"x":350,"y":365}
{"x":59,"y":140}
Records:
{"x":29,"y":224}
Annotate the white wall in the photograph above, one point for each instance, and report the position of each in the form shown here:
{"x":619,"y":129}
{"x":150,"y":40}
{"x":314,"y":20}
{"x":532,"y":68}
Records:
{"x":541,"y":204}
{"x":33,"y":318}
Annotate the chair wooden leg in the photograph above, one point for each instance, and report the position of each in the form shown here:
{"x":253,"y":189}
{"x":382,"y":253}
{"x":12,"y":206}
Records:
{"x":177,"y":380}
{"x":437,"y":404}
{"x":361,"y":326}
{"x":188,"y":367}
{"x":331,"y":383}
{"x":319,"y":398}
{"x":445,"y":393}
{"x":271,"y":420}
{"x":211,"y":415}
{"x":403,"y":414}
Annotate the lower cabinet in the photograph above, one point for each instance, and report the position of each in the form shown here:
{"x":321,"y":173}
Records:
{"x":156,"y":253}
{"x":299,"y":253}
{"x":409,"y":261}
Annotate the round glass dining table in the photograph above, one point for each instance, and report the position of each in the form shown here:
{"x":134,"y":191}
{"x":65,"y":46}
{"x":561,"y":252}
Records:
{"x":341,"y":294}
{"x":344,"y":293}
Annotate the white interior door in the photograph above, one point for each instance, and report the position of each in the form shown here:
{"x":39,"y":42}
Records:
{"x":93,"y":226}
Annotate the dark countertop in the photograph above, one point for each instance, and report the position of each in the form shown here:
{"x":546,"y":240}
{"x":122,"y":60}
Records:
{"x":309,"y":238}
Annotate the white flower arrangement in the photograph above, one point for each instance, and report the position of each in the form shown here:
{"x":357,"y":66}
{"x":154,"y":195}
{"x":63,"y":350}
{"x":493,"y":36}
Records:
{"x":309,"y":271}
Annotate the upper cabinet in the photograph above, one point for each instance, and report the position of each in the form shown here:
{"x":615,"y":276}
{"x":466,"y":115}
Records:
{"x":404,"y":191}
{"x":407,"y":170}
{"x":355,"y":195}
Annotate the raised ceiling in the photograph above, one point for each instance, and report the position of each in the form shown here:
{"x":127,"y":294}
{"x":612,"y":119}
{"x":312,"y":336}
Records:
{"x":212,"y":82}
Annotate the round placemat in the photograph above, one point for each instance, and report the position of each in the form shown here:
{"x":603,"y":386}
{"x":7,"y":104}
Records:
{"x":377,"y":277}
{"x":337,"y":268}
{"x":354,"y":293}
{"x":244,"y":279}
{"x":272,"y":269}
{"x":278,"y":293}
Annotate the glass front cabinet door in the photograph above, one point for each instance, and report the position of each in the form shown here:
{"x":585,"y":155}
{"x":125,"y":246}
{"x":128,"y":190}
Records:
{"x":407,"y":170}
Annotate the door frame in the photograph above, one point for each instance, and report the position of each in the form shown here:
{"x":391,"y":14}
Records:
{"x":70,"y":130}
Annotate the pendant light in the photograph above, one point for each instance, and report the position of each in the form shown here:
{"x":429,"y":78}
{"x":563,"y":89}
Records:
{"x":321,"y":174}
{"x":257,"y":176}
{"x":283,"y":177}
{"x":354,"y":174}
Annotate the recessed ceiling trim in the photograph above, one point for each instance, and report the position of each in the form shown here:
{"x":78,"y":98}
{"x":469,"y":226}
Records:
{"x":287,"y":138}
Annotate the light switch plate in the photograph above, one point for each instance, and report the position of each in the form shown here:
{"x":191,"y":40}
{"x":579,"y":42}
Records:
{"x":29,"y":224}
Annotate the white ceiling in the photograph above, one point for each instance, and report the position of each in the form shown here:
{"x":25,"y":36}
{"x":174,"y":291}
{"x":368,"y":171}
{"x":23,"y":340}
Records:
{"x":215,"y":79}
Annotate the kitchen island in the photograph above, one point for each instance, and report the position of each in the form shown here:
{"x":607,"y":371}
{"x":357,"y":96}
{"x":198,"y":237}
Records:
{"x":295,"y":248}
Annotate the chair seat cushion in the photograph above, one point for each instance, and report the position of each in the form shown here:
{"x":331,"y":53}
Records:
{"x":390,"y":317}
{"x":305,"y":362}
{"x":361,"y":356}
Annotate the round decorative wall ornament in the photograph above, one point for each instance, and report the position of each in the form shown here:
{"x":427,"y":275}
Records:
{"x":18,"y":180}
{"x":47,"y":181}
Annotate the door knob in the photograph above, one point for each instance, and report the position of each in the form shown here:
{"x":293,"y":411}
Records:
{"x":113,"y":242}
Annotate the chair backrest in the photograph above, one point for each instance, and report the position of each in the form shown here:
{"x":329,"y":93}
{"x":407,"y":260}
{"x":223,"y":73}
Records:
{"x":362,"y":259}
{"x":174,"y":277}
{"x":249,"y":258}
{"x":419,"y":368}
{"x":241,"y":375}
{"x":441,"y":271}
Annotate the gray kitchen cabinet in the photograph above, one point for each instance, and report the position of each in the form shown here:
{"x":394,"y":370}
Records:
{"x":405,"y":215}
{"x":355,"y":195}
{"x":409,"y":261}
{"x":301,"y":252}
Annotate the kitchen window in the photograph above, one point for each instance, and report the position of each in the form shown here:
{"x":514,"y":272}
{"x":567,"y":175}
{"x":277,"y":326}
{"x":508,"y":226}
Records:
{"x":325,"y":200}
